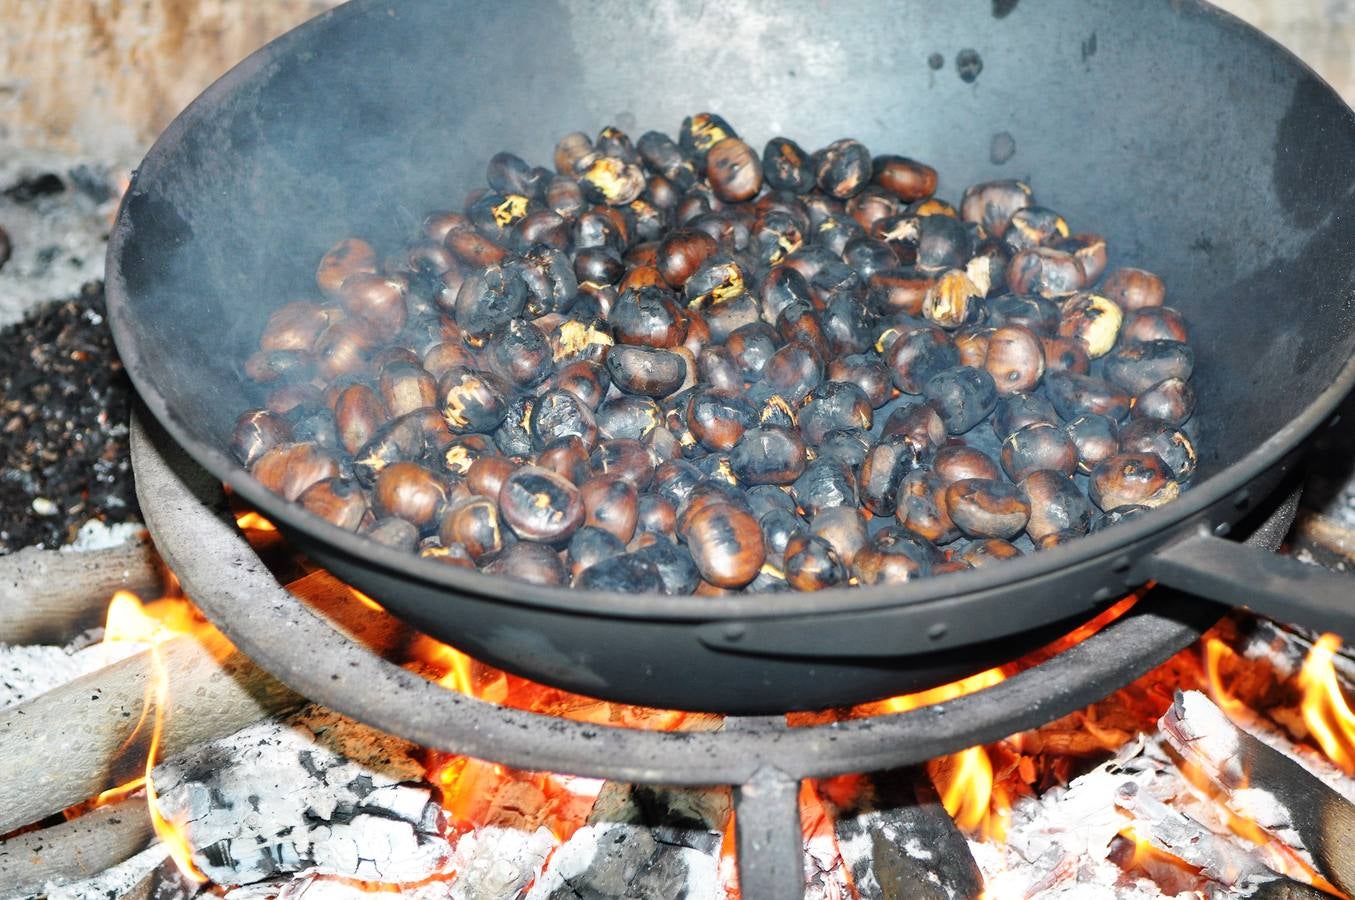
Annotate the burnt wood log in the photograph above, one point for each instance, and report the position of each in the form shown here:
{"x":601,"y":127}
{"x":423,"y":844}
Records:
{"x":75,"y":850}
{"x":50,"y":596}
{"x":72,"y":742}
{"x":641,"y":841}
{"x":1266,"y":786}
{"x":316,"y":792}
{"x":899,"y":842}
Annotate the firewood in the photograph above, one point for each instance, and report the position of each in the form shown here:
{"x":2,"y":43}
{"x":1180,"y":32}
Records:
{"x":88,"y":735}
{"x":641,"y":841}
{"x":315,"y":792}
{"x":50,"y":596}
{"x":1265,"y":786}
{"x":899,"y":842}
{"x":74,"y":850}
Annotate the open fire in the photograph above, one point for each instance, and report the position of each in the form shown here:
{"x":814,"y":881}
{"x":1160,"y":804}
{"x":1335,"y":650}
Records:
{"x":1103,"y":797}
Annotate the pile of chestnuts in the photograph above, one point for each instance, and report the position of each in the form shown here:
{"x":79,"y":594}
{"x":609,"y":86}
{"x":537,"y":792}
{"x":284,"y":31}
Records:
{"x":681,"y":367}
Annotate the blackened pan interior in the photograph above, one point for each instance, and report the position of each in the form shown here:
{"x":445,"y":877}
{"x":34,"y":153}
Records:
{"x":1198,"y":147}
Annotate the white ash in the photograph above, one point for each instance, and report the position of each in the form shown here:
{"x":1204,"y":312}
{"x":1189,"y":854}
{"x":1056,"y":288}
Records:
{"x":494,"y":862}
{"x":59,"y":239}
{"x":116,"y":881}
{"x":33,"y":669}
{"x":328,"y":887}
{"x":98,"y":535}
{"x":825,"y":875}
{"x":641,"y":841}
{"x":315,"y":793}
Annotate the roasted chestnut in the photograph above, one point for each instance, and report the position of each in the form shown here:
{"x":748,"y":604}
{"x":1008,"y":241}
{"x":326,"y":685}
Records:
{"x":1148,"y":435}
{"x":963,"y":396}
{"x":985,"y":508}
{"x":1096,"y":438}
{"x":411,"y":492}
{"x":1038,"y":446}
{"x":474,"y":524}
{"x":610,"y":503}
{"x":726,"y":544}
{"x":768,"y":455}
{"x":956,"y":462}
{"x":1134,"y":288}
{"x":256,"y":432}
{"x":812,"y":564}
{"x":1133,"y":479}
{"x":289,"y":469}
{"x":541,"y":506}
{"x":1172,"y":400}
{"x":1015,"y":359}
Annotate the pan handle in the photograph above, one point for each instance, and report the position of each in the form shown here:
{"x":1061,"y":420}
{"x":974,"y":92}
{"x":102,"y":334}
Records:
{"x":1277,"y":586}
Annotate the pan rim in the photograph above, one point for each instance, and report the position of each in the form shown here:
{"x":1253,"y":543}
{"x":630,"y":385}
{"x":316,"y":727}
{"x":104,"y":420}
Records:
{"x":1161,"y":524}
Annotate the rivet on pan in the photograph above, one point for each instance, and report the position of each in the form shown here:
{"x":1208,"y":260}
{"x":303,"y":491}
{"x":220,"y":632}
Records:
{"x":1121,"y":564}
{"x":735,"y":631}
{"x":1222,"y":529}
{"x":1242,"y":499}
{"x":937,"y":631}
{"x":1101,"y":595}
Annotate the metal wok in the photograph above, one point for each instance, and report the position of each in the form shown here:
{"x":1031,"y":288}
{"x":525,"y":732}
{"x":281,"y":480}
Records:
{"x":1200,"y":149}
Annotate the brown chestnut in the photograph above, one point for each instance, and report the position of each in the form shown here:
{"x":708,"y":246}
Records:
{"x":411,"y":492}
{"x":726,"y":544}
{"x":734,"y":171}
{"x":1015,"y":359}
{"x":1134,"y":288}
{"x":344,"y":259}
{"x":289,"y":469}
{"x":474,"y":524}
{"x":812,"y":564}
{"x":610,"y":503}
{"x":338,"y":501}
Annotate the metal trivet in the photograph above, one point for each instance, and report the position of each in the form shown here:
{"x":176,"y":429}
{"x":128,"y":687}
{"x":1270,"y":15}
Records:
{"x":763,"y":758}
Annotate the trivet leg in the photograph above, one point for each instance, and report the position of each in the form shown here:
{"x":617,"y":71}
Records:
{"x":770,"y":839}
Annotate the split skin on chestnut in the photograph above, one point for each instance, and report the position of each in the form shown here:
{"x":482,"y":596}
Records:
{"x":682,"y":366}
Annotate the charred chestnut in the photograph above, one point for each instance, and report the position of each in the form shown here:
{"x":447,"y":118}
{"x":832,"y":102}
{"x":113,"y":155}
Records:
{"x":345,"y":259}
{"x":471,"y":402}
{"x":892,"y":556}
{"x":884,"y":466}
{"x":1038,"y":446}
{"x":1076,"y":395}
{"x":646,"y":371}
{"x":843,"y":168}
{"x":611,"y":503}
{"x":1172,"y":400}
{"x":768,"y":455}
{"x":628,"y":573}
{"x":1092,"y":319}
{"x":963,"y":396}
{"x":541,"y":506}
{"x":1045,"y":271}
{"x":812,"y":564}
{"x":256,"y":432}
{"x":559,"y":414}
{"x":1147,"y":435}
{"x":1133,"y":479}
{"x":534,"y":563}
{"x":786,"y":167}
{"x":1096,"y":438}
{"x":1138,"y":366}
{"x":984,"y":508}
{"x":992,"y":204}
{"x":922,"y":509}
{"x":474,"y":524}
{"x":918,"y":356}
{"x":1019,"y":410}
{"x":825,"y":483}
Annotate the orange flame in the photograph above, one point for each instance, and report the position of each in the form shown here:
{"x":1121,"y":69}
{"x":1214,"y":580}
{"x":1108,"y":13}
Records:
{"x":1325,"y":709}
{"x":1218,"y":656}
{"x":172,"y":834}
{"x":252,"y":521}
{"x":153,"y":623}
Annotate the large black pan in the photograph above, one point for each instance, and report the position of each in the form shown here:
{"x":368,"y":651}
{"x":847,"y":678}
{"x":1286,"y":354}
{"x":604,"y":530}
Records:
{"x":1200,"y":148}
